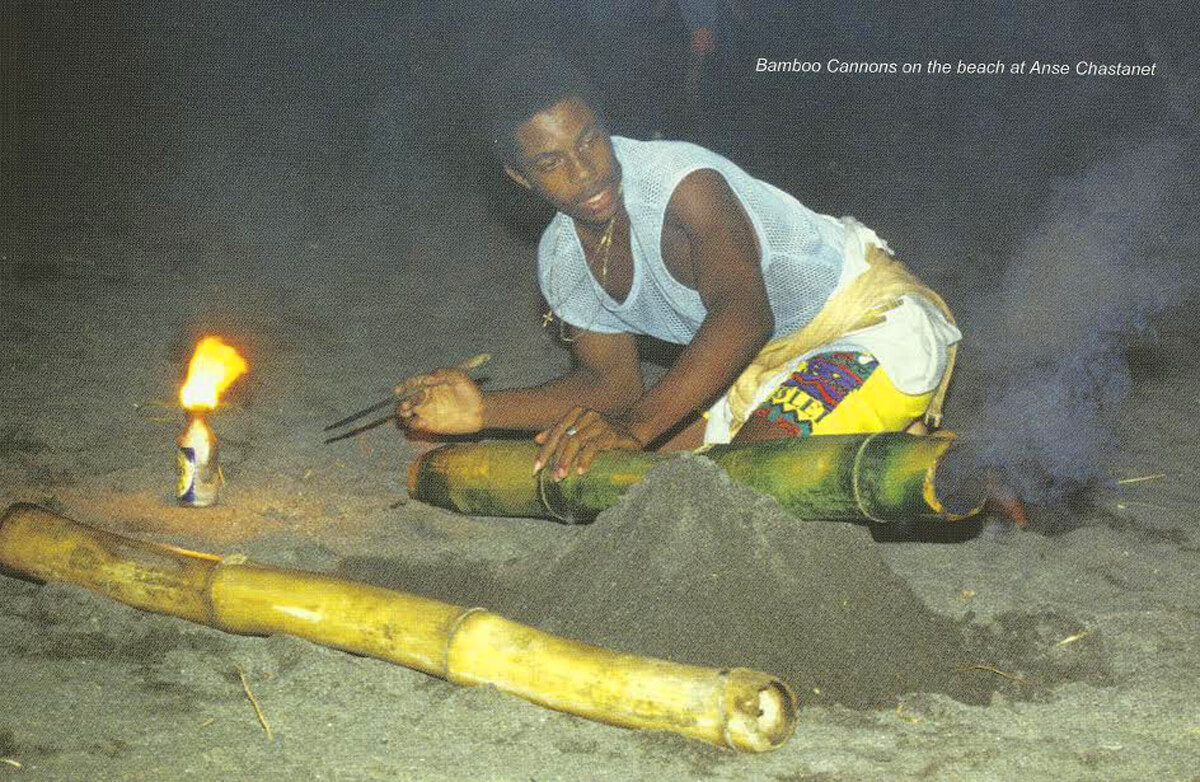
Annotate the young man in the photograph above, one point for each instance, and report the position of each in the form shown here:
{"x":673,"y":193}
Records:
{"x":794,"y":323}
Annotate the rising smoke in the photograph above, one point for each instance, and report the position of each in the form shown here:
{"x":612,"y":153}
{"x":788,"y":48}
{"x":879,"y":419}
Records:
{"x":1088,"y":282}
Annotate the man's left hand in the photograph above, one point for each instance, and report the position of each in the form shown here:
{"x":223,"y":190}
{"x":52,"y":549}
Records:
{"x":573,"y":442}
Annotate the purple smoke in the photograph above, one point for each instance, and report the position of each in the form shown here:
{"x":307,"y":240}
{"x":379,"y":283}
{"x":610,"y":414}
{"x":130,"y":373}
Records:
{"x":1085,"y":285}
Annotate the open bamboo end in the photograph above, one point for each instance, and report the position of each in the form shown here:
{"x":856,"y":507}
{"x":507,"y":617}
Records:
{"x":12,"y":510}
{"x":414,"y":473}
{"x":954,"y":489}
{"x":762,"y":712}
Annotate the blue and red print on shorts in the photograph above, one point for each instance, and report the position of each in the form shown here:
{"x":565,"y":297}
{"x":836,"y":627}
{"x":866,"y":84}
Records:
{"x":814,"y":389}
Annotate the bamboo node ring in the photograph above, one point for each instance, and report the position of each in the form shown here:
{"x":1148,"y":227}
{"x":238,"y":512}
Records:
{"x":566,"y":517}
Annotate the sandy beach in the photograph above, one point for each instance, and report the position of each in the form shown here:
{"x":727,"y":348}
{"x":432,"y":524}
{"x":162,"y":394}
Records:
{"x":300,"y":186}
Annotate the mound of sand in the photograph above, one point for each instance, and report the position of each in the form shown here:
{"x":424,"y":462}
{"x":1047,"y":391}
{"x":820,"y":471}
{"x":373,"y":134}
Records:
{"x":692,"y":567}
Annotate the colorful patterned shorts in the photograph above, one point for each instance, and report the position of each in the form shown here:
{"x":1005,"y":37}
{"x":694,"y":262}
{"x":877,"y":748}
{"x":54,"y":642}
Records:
{"x":815,"y":389}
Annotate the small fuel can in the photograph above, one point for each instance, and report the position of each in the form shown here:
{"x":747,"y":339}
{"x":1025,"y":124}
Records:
{"x":199,"y":471}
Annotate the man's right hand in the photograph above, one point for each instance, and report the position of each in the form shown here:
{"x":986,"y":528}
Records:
{"x":444,"y":401}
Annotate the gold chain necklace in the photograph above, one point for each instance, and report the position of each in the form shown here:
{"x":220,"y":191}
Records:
{"x":605,"y":246}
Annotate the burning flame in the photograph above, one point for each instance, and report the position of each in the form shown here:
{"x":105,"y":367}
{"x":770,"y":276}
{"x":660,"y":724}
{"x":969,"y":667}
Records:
{"x":214,"y":366}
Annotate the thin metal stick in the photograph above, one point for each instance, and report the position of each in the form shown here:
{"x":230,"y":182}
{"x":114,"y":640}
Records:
{"x":401,"y":391}
{"x":360,"y":429}
{"x":355,"y":416}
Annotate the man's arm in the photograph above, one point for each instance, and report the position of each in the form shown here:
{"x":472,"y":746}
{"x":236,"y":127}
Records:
{"x":710,"y":245}
{"x":710,"y":239}
{"x":607,"y":378}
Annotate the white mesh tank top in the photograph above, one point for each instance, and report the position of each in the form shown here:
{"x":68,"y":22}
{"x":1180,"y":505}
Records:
{"x":802,"y":251}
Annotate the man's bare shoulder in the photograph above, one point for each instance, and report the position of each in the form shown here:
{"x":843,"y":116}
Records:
{"x":702,"y":198}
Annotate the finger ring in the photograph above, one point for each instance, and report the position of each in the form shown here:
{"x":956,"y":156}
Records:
{"x":571,"y":431}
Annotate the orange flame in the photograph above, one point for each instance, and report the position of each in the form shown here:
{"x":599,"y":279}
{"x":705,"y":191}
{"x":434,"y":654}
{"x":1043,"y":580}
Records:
{"x":214,"y":366}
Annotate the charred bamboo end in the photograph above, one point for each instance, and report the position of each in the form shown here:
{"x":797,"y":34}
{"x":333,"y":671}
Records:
{"x":955,"y":488}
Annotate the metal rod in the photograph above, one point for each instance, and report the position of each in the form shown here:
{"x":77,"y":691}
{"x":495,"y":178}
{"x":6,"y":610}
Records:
{"x":401,"y":391}
{"x":391,"y":400}
{"x":360,"y":429}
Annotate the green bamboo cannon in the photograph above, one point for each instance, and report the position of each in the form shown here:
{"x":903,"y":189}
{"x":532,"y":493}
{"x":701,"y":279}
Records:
{"x":884,"y":477}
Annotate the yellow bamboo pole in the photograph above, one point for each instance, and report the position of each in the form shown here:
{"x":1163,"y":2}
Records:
{"x":736,"y":708}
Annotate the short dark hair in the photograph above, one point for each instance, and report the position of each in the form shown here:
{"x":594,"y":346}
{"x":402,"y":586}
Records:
{"x":525,"y":84}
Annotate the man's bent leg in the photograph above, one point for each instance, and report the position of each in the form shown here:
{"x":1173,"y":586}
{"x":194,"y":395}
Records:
{"x":837,"y":392}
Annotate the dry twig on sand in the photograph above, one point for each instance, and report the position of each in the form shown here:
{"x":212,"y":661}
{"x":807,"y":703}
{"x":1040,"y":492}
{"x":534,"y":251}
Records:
{"x":1127,"y":481}
{"x":262,"y":719}
{"x":1070,"y":639}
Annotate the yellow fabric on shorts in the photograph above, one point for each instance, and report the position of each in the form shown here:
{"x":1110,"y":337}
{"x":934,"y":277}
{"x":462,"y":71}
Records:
{"x":861,"y":304}
{"x":877,"y":406}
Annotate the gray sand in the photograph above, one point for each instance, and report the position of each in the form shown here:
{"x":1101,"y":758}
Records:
{"x":281,"y":179}
{"x":932,"y":660}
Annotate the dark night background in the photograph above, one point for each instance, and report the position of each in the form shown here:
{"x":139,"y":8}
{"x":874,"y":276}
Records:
{"x":340,"y":140}
{"x":267,"y":125}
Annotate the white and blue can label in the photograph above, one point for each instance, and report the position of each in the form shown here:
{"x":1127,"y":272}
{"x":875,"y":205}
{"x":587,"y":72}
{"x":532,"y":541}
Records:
{"x":199,"y":474}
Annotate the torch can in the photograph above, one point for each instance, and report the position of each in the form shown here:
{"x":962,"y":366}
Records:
{"x":199,"y":470}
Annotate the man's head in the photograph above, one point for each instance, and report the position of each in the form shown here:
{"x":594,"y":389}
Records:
{"x":551,"y":138}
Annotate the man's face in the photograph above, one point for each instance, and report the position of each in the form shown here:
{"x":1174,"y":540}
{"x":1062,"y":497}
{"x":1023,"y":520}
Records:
{"x":566,"y":157}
